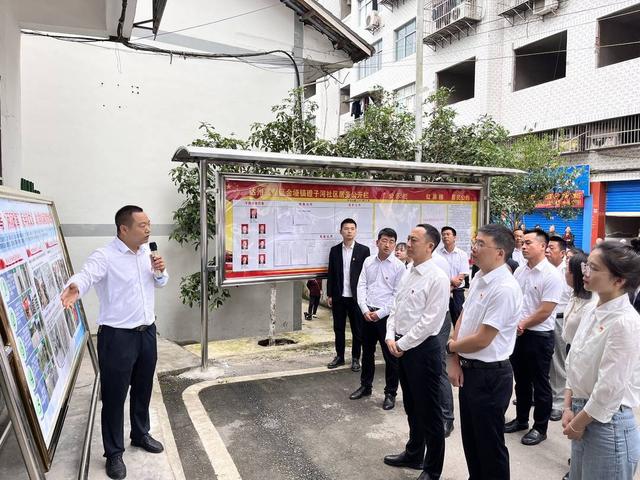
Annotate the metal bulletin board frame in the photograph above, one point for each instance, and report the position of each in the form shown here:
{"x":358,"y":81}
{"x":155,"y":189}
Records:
{"x":221,"y":248}
{"x":37,"y":455}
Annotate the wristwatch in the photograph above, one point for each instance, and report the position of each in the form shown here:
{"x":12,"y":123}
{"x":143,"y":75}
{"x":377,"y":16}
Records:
{"x":449,"y":352}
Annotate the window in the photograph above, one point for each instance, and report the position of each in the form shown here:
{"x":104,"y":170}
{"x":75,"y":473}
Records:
{"x":345,"y":99}
{"x":461,"y":78}
{"x":406,"y":40}
{"x":309,"y":90}
{"x":372,"y":64}
{"x":405,"y":96}
{"x":541,"y":62}
{"x":619,"y":37}
{"x":364,"y":8}
{"x":345,"y":8}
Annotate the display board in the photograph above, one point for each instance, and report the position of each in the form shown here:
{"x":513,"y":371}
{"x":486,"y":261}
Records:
{"x":49,"y":341}
{"x":278,"y":228}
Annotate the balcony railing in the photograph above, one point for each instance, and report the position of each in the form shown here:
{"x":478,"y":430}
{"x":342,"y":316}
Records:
{"x":509,"y":8}
{"x":446,"y":19}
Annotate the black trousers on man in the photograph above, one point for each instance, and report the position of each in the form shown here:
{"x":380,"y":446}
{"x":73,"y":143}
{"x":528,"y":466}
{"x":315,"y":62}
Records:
{"x":531,"y":361}
{"x":341,"y":308}
{"x":484,"y":399}
{"x":420,"y":370}
{"x":314,"y":301}
{"x":127,"y":358}
{"x":456,"y":301}
{"x":372,"y":333}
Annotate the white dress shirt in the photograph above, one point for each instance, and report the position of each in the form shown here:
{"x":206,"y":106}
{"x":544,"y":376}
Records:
{"x":573,"y":314}
{"x":347,"y":253}
{"x":124,"y":282}
{"x":420,"y":306}
{"x":458,"y":261}
{"x":603,"y":365}
{"x":494,"y":299}
{"x":566,"y":291}
{"x":440,"y":262}
{"x":541,"y":283}
{"x":378,"y":283}
{"x":518,"y":257}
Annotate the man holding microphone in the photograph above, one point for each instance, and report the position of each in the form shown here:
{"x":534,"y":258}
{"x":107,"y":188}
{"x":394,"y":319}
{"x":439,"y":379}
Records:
{"x":124,"y":273}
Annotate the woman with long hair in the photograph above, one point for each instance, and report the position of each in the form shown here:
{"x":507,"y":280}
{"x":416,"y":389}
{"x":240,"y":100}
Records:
{"x":603,"y":370}
{"x":581,"y":299}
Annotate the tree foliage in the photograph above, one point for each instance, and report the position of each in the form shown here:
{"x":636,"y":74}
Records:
{"x":386,"y":131}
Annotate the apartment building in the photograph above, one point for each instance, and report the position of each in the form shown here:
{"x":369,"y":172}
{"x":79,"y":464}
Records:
{"x":566,"y":68}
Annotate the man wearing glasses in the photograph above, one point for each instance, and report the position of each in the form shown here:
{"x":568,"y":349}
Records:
{"x":478,"y":355}
{"x":377,"y":287}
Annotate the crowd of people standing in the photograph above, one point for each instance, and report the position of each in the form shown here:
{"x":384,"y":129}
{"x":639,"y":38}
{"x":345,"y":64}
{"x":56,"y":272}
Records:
{"x":539,"y":313}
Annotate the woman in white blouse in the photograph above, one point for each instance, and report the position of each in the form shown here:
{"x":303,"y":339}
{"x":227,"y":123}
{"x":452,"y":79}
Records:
{"x":603,"y":371}
{"x":581,"y":299}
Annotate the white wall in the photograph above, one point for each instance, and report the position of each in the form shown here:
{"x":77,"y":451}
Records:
{"x":100,"y":124}
{"x":10,"y":113}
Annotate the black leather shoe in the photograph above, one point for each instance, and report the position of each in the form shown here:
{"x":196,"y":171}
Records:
{"x":555,"y":415}
{"x":149,"y":444}
{"x":336,"y":362}
{"x":424,"y":476}
{"x":116,"y":468}
{"x":566,"y":476}
{"x":361,"y":392}
{"x":533,"y":437}
{"x":401,"y":460}
{"x":515,"y":426}
{"x":355,"y":365}
{"x":389,"y":401}
{"x":448,"y":428}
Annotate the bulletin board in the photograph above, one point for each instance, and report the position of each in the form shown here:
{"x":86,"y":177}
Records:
{"x":282,"y":228}
{"x":47,"y":340}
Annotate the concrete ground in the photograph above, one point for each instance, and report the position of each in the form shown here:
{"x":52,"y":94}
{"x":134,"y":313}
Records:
{"x":270,"y":412}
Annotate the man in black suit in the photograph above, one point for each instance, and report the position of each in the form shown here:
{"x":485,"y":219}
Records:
{"x":345,"y":265}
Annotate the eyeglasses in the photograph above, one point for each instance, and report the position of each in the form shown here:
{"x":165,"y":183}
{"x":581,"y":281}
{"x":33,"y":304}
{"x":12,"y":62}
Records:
{"x":587,"y":268}
{"x":480,"y":245}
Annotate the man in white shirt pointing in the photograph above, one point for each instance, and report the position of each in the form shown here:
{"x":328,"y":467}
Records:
{"x":124,"y":274}
{"x":416,"y":318}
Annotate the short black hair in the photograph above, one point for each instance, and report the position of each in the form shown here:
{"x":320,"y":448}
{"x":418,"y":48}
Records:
{"x":541,"y":234}
{"x":124,"y":216}
{"x":348,"y":220}
{"x":560,"y":241}
{"x":622,"y":261}
{"x":501,"y":236}
{"x":447,"y":227}
{"x":575,"y":268}
{"x":388,"y":232}
{"x":432,"y":233}
{"x":401,"y":246}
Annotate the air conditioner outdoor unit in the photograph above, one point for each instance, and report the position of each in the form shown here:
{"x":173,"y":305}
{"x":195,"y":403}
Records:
{"x":374,"y":21}
{"x":543,"y":7}
{"x":603,"y":141}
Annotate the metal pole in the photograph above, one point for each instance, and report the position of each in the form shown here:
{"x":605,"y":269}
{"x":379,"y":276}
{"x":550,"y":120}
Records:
{"x":83,"y":473}
{"x":419,"y":80}
{"x":487,"y":201}
{"x":10,"y":393}
{"x":204,"y":273}
{"x":272,"y":316}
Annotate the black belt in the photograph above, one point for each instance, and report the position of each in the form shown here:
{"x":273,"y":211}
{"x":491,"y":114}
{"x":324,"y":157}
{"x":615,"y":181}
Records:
{"x":468,"y":363}
{"x":398,"y":336}
{"x":139,"y":328}
{"x":373,"y":309}
{"x":546,"y":333}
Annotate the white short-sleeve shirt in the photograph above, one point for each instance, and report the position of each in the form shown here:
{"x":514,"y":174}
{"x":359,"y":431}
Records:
{"x":541,"y":283}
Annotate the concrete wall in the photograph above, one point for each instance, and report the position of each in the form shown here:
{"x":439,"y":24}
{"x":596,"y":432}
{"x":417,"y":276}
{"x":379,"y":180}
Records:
{"x":10,"y":112}
{"x":101,"y":122}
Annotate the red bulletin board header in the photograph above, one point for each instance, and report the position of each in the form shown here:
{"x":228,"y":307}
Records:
{"x":250,"y":190}
{"x":280,"y":229}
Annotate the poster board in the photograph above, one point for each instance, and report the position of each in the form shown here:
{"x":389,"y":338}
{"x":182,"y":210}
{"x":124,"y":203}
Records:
{"x":47,"y":340}
{"x":282,"y":228}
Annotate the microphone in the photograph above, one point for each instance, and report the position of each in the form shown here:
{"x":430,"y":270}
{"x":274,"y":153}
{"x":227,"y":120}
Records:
{"x":154,"y":253}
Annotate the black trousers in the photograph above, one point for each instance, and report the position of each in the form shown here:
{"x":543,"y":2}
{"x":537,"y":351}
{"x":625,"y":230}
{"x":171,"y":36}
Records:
{"x":531,"y":361}
{"x":484,"y":399}
{"x":343,"y":307}
{"x":127,"y":358}
{"x":420,"y":370}
{"x":372,"y":333}
{"x":455,"y":304}
{"x":314,"y":301}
